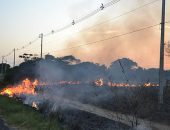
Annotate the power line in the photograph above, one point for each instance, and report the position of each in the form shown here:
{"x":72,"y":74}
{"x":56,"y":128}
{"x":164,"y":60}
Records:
{"x":28,"y":44}
{"x":84,"y":18}
{"x":96,"y":11}
{"x":21,"y":48}
{"x":114,"y":18}
{"x":78,"y":20}
{"x":71,"y":24}
{"x":102,"y":40}
{"x":133,"y":10}
{"x":8,"y":54}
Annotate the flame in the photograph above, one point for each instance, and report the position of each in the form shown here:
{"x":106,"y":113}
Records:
{"x":26,"y":87}
{"x":99,"y":82}
{"x":151,"y":85}
{"x":147,"y":84}
{"x":111,"y":84}
{"x":7,"y":92}
{"x":34,"y":105}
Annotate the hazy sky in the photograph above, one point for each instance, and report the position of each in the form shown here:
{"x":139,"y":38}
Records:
{"x":23,"y":20}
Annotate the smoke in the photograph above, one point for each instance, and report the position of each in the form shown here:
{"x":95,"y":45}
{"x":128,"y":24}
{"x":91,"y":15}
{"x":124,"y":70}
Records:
{"x":82,"y":96}
{"x":47,"y":71}
{"x":137,"y":46}
{"x":54,"y":70}
{"x":51,"y":71}
{"x":143,"y":127}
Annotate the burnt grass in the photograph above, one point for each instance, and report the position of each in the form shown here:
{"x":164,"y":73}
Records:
{"x":139,"y":101}
{"x":78,"y":120}
{"x":73,"y":119}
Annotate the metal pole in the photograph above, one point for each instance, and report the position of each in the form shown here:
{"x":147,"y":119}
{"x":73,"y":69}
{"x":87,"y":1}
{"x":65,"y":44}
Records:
{"x":2,"y":65}
{"x":5,"y":66}
{"x":41,"y":36}
{"x":161,"y":65}
{"x":14,"y":57}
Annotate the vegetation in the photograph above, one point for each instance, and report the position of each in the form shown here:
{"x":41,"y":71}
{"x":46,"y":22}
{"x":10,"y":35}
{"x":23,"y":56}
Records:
{"x":24,"y":117}
{"x":138,"y":102}
{"x":72,"y":69}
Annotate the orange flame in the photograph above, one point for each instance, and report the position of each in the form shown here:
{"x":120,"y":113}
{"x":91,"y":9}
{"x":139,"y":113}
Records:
{"x":99,"y":82}
{"x":150,"y":85}
{"x":26,"y":87}
{"x":110,"y":84}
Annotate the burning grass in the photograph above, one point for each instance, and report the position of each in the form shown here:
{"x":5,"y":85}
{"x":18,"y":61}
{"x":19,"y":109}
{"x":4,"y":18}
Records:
{"x":121,"y":97}
{"x":29,"y":87}
{"x":26,"y":87}
{"x":24,"y":117}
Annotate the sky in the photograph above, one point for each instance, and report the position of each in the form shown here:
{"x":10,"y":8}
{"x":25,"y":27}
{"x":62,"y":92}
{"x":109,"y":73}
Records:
{"x":23,"y":20}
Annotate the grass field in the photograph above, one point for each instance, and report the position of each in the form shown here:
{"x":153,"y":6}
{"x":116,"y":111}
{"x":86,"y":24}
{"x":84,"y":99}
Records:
{"x":24,"y":117}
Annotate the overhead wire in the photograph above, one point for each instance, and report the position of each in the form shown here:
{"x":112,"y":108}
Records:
{"x":87,"y":16}
{"x":78,"y":20}
{"x":23,"y":47}
{"x":28,"y":44}
{"x":70,"y":24}
{"x":114,"y":18}
{"x":97,"y":10}
{"x":8,"y":54}
{"x":123,"y":14}
{"x":116,"y":36}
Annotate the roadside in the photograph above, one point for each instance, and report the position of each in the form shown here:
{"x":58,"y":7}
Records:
{"x":23,"y":117}
{"x":3,"y":125}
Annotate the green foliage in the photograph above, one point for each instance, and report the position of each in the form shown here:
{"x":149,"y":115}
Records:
{"x":24,"y":117}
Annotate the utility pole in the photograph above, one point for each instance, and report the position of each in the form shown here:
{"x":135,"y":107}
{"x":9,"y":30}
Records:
{"x":2,"y":65}
{"x":161,"y":65}
{"x":41,"y":36}
{"x":14,"y":57}
{"x":5,"y":65}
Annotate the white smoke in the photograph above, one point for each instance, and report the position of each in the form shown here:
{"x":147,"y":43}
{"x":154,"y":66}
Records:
{"x":143,"y":127}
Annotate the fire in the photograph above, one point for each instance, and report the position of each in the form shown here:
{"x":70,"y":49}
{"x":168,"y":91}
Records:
{"x":99,"y":82}
{"x":26,"y":87}
{"x":150,"y":85}
{"x":147,"y":84}
{"x":34,"y":105}
{"x":7,"y":92}
{"x":110,"y":84}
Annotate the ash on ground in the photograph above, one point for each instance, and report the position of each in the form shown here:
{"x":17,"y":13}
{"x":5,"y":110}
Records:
{"x":78,"y":120}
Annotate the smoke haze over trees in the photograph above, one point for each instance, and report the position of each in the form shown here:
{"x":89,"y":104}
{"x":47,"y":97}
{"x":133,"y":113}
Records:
{"x":70,"y":68}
